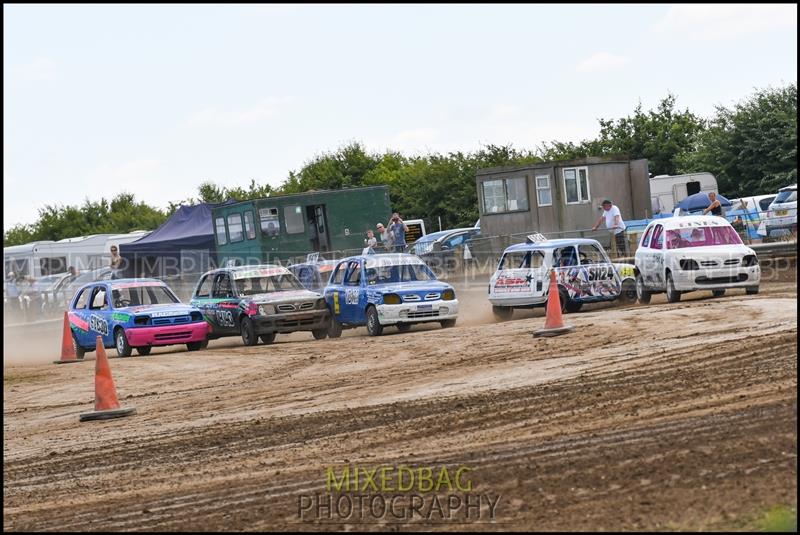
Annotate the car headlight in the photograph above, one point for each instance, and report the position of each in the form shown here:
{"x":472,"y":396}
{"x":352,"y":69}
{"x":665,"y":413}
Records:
{"x":321,"y":304}
{"x":689,"y":264}
{"x":141,"y":320}
{"x":448,"y":295}
{"x":750,"y":260}
{"x":392,"y":299}
{"x":265,"y":310}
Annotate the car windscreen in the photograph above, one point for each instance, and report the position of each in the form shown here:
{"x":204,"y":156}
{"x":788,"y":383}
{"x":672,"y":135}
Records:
{"x":522,"y":260}
{"x":702,"y":237}
{"x":789,"y":195}
{"x":268,"y":284}
{"x":142,"y":295}
{"x":383,"y":274}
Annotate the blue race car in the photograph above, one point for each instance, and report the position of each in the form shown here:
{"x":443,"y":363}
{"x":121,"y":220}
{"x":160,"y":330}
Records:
{"x":133,"y":314}
{"x":387,"y":289}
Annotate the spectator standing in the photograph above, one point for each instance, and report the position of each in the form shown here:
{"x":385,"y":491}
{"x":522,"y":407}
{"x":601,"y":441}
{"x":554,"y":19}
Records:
{"x":371,"y":241}
{"x":116,"y":262}
{"x":615,"y":224}
{"x":12,"y":292}
{"x":397,"y":228}
{"x":386,"y":236}
{"x":715,"y":207}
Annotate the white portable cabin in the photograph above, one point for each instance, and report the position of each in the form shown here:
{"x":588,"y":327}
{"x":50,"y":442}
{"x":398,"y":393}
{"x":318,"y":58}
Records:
{"x":19,"y":259}
{"x":84,"y":252}
{"x":668,"y":190}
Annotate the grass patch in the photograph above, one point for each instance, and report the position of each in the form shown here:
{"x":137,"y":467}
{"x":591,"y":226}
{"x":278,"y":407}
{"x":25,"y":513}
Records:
{"x":779,"y":519}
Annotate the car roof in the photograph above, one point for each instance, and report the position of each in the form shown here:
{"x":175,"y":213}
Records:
{"x":384,"y":257}
{"x":434,"y":236}
{"x":793,"y":186}
{"x":551,"y":244}
{"x":685,"y":221}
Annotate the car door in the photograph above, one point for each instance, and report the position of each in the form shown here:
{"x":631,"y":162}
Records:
{"x":656,"y":255}
{"x":224,"y":304}
{"x":334,"y":292}
{"x":100,"y":314}
{"x":602,"y":279}
{"x":79,"y":317}
{"x":354,"y":304}
{"x":643,"y":256}
{"x":201,"y":298}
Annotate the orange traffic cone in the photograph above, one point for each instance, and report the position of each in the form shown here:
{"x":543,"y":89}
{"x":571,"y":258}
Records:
{"x":106,"y":404}
{"x":553,"y":323}
{"x":67,"y":344}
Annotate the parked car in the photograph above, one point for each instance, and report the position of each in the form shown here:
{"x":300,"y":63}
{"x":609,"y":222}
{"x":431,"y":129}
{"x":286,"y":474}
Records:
{"x":684,"y":254}
{"x":584,"y":274}
{"x":133,"y":314}
{"x":388,"y":289}
{"x":45,"y":293}
{"x":96,"y":275}
{"x":259,"y":302}
{"x":439,"y":250}
{"x":782,"y":214}
{"x":313,"y":275}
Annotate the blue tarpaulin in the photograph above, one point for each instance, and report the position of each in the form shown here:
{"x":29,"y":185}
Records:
{"x":700,"y":201}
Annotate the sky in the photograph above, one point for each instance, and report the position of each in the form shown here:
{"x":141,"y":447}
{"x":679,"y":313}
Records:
{"x":155,"y":99}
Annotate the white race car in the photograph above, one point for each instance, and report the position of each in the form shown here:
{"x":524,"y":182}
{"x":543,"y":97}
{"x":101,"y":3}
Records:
{"x":683,"y":254}
{"x":583,"y":270}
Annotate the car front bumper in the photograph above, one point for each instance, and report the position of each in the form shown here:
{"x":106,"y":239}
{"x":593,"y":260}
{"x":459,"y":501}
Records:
{"x":418,"y":312}
{"x":716,"y":279}
{"x":292,"y":321}
{"x":167,"y":334}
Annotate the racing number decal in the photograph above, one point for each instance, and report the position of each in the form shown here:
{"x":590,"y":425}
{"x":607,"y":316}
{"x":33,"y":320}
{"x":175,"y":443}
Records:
{"x":225,"y":318}
{"x":335,"y":302}
{"x":98,"y":324}
{"x":351,"y":296}
{"x":600,"y":273}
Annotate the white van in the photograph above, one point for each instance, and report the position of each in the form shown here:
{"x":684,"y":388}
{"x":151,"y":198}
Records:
{"x":668,"y":190}
{"x":782,"y":214}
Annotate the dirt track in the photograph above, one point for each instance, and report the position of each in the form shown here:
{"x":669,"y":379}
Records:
{"x":676,"y":416}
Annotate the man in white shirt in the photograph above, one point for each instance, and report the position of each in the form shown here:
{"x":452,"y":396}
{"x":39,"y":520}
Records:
{"x":615,"y":224}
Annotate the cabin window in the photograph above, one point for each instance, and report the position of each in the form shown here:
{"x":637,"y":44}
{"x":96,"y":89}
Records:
{"x":235,"y":228}
{"x":270,"y":225}
{"x":576,"y":185}
{"x":293,"y":217}
{"x":249,"y":225}
{"x":220,"y":231}
{"x":50,"y":266}
{"x":544,"y":196}
{"x":505,"y":195}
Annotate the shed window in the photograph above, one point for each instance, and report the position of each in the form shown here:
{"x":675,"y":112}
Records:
{"x":270,"y":225}
{"x":293,"y":217}
{"x":544,"y":196}
{"x":505,"y":195}
{"x":576,"y":185}
{"x":220,"y":230}
{"x":249,"y":226}
{"x":235,"y":228}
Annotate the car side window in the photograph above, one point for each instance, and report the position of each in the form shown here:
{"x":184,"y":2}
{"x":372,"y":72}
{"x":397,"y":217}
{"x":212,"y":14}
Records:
{"x":99,"y":301}
{"x":590,"y":254}
{"x":338,"y":276}
{"x":565,"y":257}
{"x":764,"y":203}
{"x":657,"y":241}
{"x":204,"y":289}
{"x":222,"y":286}
{"x":83,"y":298}
{"x":354,"y":274}
{"x":646,"y":237}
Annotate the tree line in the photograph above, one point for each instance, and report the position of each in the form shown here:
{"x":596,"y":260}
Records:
{"x":750,"y":147}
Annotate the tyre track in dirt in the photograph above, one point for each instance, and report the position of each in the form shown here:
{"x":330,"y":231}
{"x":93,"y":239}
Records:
{"x":661,"y":401}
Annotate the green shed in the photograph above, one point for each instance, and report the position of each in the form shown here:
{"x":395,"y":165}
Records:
{"x":290,"y":226}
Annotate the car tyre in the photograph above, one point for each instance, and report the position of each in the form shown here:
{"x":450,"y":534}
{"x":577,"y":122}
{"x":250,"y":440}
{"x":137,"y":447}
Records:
{"x":751,"y":290}
{"x":641,"y":292}
{"x":502,"y":313}
{"x":124,"y":349}
{"x":267,"y":338}
{"x":320,"y":334}
{"x":79,"y":351}
{"x":718,"y":293}
{"x":673,"y":295}
{"x":248,"y":331}
{"x":403,"y":327}
{"x":628,"y":293}
{"x":204,"y":344}
{"x":334,"y":328}
{"x":144,"y":350}
{"x":194,"y":346}
{"x":563,"y":297}
{"x":446,"y":324}
{"x":374,"y":327}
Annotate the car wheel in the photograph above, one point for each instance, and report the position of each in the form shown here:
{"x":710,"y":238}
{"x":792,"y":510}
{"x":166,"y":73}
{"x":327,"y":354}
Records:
{"x":204,"y":344}
{"x":751,"y":290}
{"x":718,"y":293}
{"x":641,"y":292}
{"x":320,"y":334}
{"x":335,"y":328}
{"x":124,"y":349}
{"x":403,"y":327}
{"x":446,"y":324}
{"x":194,"y":346}
{"x":267,"y":338}
{"x":79,"y":351}
{"x":248,"y":331}
{"x":563,"y":297}
{"x":374,"y":327}
{"x":628,"y":292}
{"x":502,"y":313}
{"x":144,"y":350}
{"x":673,"y":295}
